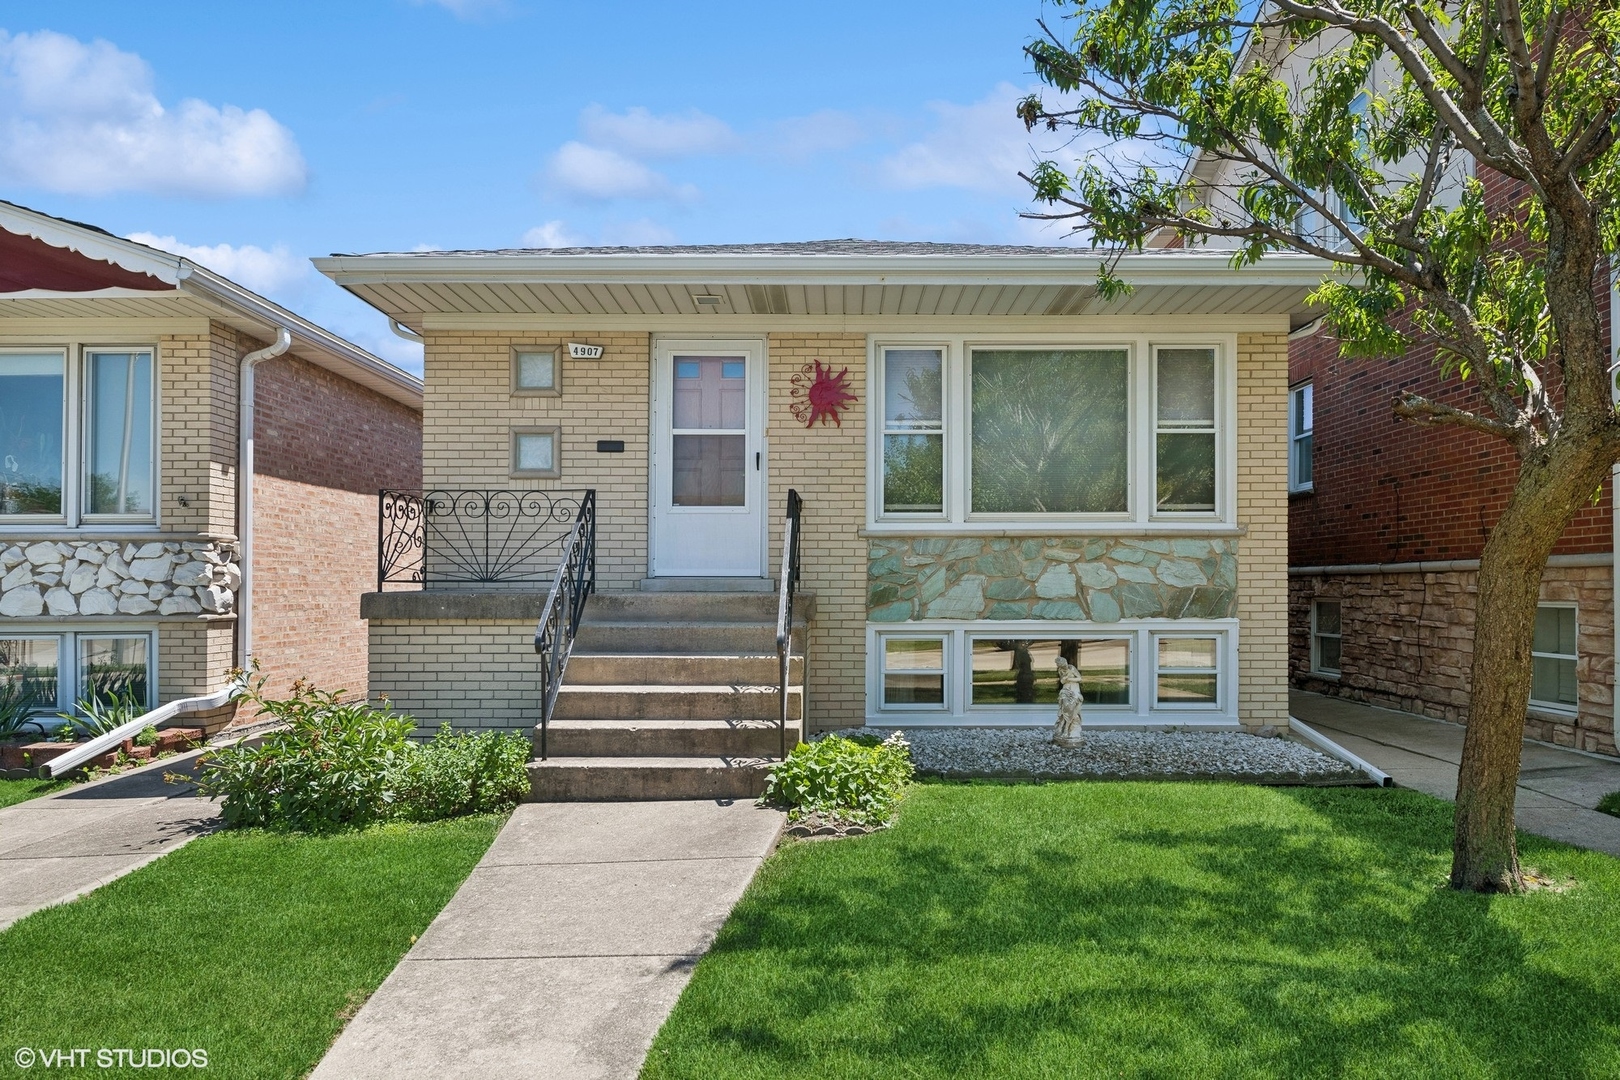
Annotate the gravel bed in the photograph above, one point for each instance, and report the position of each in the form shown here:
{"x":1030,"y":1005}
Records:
{"x":1136,"y":755}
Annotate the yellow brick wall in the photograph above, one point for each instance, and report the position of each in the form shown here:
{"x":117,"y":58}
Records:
{"x":827,"y":466}
{"x":194,"y":656}
{"x":473,"y":673}
{"x":198,"y":431}
{"x":1262,"y":479}
{"x":470,"y":410}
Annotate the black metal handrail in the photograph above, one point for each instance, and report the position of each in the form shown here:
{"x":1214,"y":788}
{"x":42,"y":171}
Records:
{"x":472,"y":537}
{"x":572,"y":585}
{"x":784,"y":607}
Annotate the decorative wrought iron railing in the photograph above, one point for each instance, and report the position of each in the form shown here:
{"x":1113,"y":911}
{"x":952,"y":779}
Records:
{"x":571,"y":585}
{"x":784,"y":609}
{"x":473,"y":537}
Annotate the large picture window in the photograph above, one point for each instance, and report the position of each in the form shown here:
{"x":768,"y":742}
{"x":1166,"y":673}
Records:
{"x":107,"y":470}
{"x":979,"y":434}
{"x":1018,"y":671}
{"x":1050,"y":431}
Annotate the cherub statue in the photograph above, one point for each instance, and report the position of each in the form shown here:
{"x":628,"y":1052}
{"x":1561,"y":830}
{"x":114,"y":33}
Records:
{"x":1066,"y":732}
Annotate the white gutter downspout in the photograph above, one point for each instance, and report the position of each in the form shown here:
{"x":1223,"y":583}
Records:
{"x":400,"y":330}
{"x":244,"y":490}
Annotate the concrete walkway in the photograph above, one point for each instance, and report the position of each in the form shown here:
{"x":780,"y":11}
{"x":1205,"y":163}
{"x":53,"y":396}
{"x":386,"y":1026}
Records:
{"x":565,"y":948}
{"x":1557,"y":788}
{"x":61,"y":846}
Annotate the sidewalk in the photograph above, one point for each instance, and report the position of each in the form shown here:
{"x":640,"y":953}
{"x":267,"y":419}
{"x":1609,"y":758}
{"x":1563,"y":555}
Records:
{"x":1557,"y":788}
{"x":565,"y":948}
{"x":60,"y":846}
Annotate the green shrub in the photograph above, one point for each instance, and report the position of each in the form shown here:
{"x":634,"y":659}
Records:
{"x":852,"y":779}
{"x":1610,"y":803}
{"x":17,"y":709}
{"x":147,"y":736}
{"x":341,"y":764}
{"x":468,"y":773}
{"x":95,"y":715}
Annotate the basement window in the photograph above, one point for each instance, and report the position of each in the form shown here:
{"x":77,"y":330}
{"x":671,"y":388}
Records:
{"x":1553,"y":656}
{"x":1327,"y":637}
{"x":913,"y":673}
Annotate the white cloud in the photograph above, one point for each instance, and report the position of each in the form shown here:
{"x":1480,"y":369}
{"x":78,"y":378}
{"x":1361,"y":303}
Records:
{"x":801,"y":138}
{"x":82,"y":119}
{"x":594,"y":172}
{"x":639,"y":133}
{"x":276,"y":273}
{"x":981,"y":147}
{"x":553,"y":234}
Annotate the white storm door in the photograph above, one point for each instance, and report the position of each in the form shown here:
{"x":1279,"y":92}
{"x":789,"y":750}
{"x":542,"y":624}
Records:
{"x":708,"y":511}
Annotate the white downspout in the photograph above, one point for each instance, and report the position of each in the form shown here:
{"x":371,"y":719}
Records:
{"x":244,"y":490}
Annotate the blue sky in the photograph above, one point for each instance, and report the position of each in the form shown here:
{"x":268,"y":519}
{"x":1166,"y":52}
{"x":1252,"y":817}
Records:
{"x":254,"y":136}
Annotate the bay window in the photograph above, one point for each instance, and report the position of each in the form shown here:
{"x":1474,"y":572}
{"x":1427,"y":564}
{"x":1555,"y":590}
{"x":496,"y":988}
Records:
{"x":94,"y":462}
{"x":1025,"y":433}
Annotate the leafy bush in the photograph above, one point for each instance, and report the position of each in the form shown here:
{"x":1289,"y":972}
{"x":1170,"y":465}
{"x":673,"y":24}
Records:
{"x":852,"y":779}
{"x":147,"y":736}
{"x":1610,"y":803}
{"x":469,"y":773}
{"x":94,"y":715}
{"x":340,"y":764}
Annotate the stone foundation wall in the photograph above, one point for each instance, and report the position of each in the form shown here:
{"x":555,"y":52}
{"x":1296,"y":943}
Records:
{"x":108,"y":577}
{"x":1408,"y":644}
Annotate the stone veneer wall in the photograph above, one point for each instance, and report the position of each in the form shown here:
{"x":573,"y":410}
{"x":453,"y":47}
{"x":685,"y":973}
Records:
{"x":105,"y":577}
{"x":1408,"y":644}
{"x":1071,"y":577}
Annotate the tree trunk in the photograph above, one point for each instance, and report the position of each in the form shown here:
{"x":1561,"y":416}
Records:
{"x":1546,"y":498}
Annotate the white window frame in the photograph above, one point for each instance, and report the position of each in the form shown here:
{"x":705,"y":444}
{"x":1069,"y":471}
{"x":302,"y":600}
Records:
{"x":1185,"y":427}
{"x":1301,"y":392}
{"x":882,"y":424}
{"x":1222,"y":672}
{"x":69,"y":676}
{"x":1559,"y":707}
{"x":75,"y":442}
{"x":981,"y":633}
{"x":1317,"y":635}
{"x":1141,"y":515}
{"x":1143,"y":712}
{"x":881,"y":658}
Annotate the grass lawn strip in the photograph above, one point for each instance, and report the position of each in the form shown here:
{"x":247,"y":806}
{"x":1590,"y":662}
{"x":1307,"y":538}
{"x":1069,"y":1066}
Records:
{"x":1145,"y":929}
{"x":254,"y":946}
{"x":16,"y":791}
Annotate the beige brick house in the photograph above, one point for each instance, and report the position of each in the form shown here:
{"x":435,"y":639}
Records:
{"x":1016,"y":470}
{"x":132,"y":555}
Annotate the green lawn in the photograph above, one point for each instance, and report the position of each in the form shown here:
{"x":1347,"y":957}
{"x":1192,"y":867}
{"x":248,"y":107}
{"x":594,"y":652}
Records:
{"x":253,"y":946}
{"x":1154,"y":930}
{"x":16,"y":791}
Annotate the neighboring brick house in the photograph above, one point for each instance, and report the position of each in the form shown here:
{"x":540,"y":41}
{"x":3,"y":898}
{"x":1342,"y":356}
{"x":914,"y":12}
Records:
{"x":1387,"y":521}
{"x":123,"y":562}
{"x":1023,"y":470}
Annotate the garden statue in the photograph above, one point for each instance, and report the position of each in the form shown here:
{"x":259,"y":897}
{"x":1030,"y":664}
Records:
{"x":1066,"y":732}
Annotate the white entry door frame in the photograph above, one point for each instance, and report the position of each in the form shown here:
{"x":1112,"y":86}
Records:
{"x":707,"y":488}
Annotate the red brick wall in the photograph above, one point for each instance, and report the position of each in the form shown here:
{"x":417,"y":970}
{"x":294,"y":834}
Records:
{"x":323,"y":446}
{"x":1388,"y":490}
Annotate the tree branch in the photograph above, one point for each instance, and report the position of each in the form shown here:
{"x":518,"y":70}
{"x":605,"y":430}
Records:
{"x":1424,"y":411}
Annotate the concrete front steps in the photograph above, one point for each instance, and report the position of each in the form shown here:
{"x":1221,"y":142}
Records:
{"x":671,"y":695}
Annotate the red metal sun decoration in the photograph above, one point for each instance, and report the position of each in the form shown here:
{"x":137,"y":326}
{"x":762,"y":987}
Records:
{"x":818,"y":394}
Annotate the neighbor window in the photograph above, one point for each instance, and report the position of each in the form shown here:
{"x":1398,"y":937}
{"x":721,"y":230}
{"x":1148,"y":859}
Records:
{"x":1326,"y":637}
{"x":913,"y":672}
{"x":1184,"y":438}
{"x":1024,"y":672}
{"x":1300,"y":406}
{"x":534,"y":371}
{"x":913,"y":431}
{"x":1050,"y":431}
{"x":33,"y":389}
{"x":1553,"y":655}
{"x":114,"y":463}
{"x":1188,"y":671}
{"x":55,"y":671}
{"x":118,"y":433}
{"x":534,"y":451}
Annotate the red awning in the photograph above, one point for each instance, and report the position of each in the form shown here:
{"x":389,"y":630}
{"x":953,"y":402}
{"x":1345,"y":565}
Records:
{"x":27,"y":263}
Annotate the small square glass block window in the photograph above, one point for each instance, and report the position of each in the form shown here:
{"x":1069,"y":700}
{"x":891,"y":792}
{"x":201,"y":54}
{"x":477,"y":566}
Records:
{"x":535,"y":371}
{"x":534,"y":452}
{"x":913,"y":672}
{"x":1188,"y":671}
{"x":1553,"y":657}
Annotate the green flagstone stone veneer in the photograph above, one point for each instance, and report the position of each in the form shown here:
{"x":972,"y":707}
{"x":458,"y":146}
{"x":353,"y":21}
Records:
{"x":1070,"y":577}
